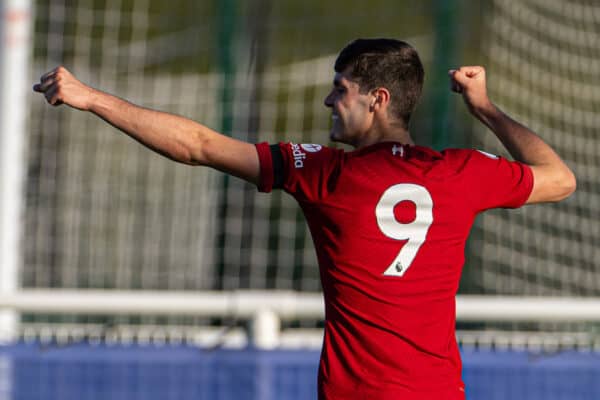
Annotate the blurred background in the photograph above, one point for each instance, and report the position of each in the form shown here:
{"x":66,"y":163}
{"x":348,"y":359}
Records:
{"x":102,"y":212}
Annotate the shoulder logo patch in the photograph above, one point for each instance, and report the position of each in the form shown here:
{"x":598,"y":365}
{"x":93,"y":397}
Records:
{"x":311,"y":147}
{"x":492,"y":156}
{"x":298,"y":155}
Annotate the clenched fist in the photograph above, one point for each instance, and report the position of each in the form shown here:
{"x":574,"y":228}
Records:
{"x":59,"y":86}
{"x":470,"y":82}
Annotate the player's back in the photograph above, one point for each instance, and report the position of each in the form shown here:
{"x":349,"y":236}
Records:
{"x":390,"y":240}
{"x":389,"y":223}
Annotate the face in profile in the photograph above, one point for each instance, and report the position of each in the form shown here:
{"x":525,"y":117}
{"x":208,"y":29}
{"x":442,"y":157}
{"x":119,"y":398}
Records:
{"x":351,"y":113}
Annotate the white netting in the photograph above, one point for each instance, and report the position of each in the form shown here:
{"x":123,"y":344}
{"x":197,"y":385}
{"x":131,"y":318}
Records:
{"x":543,"y":65}
{"x":104,"y":212}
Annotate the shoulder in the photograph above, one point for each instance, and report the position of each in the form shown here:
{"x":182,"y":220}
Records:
{"x":306,"y":157}
{"x":465,"y":154}
{"x":306,"y":170}
{"x":462,"y":158}
{"x":302,"y":155}
{"x":489,"y":180}
{"x":453,"y":162}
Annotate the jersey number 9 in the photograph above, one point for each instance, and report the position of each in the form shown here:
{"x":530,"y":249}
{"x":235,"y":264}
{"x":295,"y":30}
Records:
{"x":413,"y":232}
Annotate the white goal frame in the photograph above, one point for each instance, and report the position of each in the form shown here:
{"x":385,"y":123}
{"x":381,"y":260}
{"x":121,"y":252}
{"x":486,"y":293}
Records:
{"x":266,"y":309}
{"x":15,"y":46}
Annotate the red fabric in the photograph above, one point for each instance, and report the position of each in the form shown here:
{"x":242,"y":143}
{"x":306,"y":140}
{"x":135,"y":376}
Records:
{"x":391,"y":336}
{"x":265,"y":183}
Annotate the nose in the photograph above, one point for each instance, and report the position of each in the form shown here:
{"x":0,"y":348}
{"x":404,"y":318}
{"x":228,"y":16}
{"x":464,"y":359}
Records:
{"x":329,"y":100}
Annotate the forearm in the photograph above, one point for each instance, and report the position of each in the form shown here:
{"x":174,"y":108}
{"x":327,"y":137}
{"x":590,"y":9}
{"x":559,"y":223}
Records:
{"x":522,"y":143}
{"x":173,"y":136}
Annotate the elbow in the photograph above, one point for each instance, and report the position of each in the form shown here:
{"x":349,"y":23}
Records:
{"x":182,"y":154}
{"x":193,"y":151}
{"x":565,"y":186}
{"x":552,"y":186}
{"x":570,"y":184}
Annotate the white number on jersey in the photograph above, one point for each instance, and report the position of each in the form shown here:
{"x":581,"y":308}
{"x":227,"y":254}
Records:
{"x":415,"y":231}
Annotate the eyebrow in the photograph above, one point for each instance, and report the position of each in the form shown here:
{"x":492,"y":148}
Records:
{"x":337,"y":82}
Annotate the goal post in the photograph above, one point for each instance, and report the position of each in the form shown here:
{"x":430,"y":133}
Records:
{"x":15,"y":43}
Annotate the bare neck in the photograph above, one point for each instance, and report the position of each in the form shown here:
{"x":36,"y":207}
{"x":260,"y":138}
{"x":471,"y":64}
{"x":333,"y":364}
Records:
{"x":388,"y":133}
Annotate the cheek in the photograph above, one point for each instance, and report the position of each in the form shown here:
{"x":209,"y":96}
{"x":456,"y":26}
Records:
{"x":358,"y":117}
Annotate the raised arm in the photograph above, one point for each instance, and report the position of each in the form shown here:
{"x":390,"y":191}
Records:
{"x":175,"y":137}
{"x":553,"y":180}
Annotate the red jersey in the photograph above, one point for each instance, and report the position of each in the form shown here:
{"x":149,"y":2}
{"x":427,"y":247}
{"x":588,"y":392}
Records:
{"x":389,"y":223}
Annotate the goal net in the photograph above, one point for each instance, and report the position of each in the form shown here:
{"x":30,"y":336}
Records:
{"x":103,"y":212}
{"x":544,"y":69}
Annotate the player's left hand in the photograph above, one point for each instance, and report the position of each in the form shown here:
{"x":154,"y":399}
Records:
{"x":471,"y":83}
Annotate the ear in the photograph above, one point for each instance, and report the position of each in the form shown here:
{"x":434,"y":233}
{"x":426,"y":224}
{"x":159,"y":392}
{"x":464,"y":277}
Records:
{"x":381,"y":99}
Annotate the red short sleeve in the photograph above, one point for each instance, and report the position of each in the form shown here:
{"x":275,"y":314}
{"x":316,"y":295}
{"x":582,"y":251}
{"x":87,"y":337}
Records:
{"x":493,"y":182}
{"x":311,"y":170}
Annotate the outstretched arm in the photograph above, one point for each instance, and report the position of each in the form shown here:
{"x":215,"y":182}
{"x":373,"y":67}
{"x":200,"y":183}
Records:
{"x":175,"y":137}
{"x":553,"y":180}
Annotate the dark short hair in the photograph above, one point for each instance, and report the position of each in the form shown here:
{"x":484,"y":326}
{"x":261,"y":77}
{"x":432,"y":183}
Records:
{"x":389,"y":63}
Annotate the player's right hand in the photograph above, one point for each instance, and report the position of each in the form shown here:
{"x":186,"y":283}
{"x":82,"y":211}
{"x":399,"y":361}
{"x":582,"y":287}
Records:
{"x":59,"y":86}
